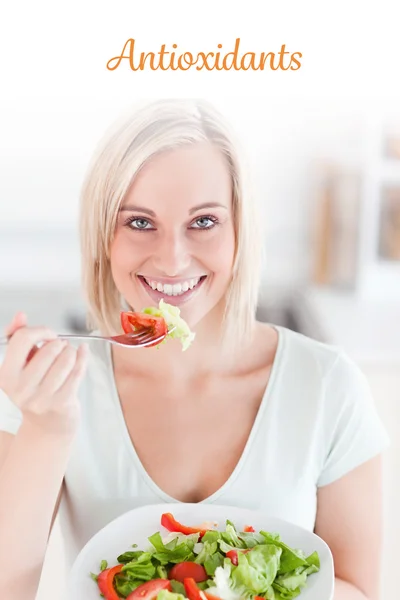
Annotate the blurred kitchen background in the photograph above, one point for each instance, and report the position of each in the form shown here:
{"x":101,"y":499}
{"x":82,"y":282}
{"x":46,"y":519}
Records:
{"x":326,"y":172}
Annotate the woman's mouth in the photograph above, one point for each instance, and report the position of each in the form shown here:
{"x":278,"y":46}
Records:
{"x":173,"y":293}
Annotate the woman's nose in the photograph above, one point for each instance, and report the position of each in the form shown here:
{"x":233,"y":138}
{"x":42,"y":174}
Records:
{"x":171,"y":256}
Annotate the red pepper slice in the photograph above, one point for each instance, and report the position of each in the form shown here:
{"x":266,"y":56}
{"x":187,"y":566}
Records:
{"x":105,"y":581}
{"x":194,"y":593}
{"x":212,"y":597}
{"x":249,"y":529}
{"x":233,"y":555}
{"x":169,"y":522}
{"x":191,"y":589}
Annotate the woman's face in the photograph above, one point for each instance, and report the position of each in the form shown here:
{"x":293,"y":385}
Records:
{"x":174,"y":237}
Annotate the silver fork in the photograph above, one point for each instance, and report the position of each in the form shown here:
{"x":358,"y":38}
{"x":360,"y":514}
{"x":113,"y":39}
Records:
{"x":138,"y":339}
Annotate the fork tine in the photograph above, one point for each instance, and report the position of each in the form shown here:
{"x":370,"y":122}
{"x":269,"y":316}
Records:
{"x":143,"y":337}
{"x":152,"y":339}
{"x":138,"y":333}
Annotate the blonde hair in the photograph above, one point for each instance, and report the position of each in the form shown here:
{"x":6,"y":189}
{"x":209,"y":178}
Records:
{"x":151,"y":129}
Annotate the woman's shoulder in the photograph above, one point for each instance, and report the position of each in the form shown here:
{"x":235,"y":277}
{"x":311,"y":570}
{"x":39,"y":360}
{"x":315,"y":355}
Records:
{"x":302,"y":349}
{"x":310,"y":359}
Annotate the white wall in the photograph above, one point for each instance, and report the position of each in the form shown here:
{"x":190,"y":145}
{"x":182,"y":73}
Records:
{"x":47,"y":141}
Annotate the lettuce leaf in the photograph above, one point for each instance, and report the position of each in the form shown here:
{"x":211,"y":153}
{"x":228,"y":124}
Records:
{"x":166,"y":595}
{"x":171,"y":315}
{"x":256,"y":571}
{"x":141,"y":567}
{"x":173,"y":552}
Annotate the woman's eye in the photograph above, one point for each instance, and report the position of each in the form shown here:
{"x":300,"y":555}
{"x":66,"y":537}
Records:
{"x":140,"y":224}
{"x":203,"y":223}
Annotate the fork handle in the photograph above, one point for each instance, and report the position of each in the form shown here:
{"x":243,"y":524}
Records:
{"x":4,"y":340}
{"x":73,"y":336}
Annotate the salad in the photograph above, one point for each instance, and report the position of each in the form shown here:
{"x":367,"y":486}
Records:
{"x":159,"y":320}
{"x":202,"y":563}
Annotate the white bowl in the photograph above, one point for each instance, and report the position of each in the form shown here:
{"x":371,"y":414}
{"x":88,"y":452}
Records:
{"x":135,"y":526}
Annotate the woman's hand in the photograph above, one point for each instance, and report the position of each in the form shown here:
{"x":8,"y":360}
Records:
{"x":43,"y":382}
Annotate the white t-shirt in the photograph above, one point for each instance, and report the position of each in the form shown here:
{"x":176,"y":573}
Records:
{"x":317,"y":421}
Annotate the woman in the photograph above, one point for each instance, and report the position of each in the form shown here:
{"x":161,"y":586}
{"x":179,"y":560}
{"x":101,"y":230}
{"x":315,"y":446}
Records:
{"x":251,"y":415}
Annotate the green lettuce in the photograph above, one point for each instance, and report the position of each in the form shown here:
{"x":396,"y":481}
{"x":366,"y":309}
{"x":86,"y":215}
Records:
{"x":166,"y":595}
{"x":210,"y":557}
{"x":125,"y":585}
{"x":256,"y":570}
{"x":171,"y":315}
{"x":174,"y":551}
{"x":141,"y":567}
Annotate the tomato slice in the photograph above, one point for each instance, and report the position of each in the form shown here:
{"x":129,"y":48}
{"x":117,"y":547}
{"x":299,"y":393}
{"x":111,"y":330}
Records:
{"x":188,"y":569}
{"x":105,"y":581}
{"x":132,"y":321}
{"x":150,"y":589}
{"x":169,"y":522}
{"x":249,"y":529}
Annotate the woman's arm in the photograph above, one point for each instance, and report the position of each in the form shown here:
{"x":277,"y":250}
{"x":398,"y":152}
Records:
{"x":30,"y":482}
{"x":43,"y":384}
{"x":349,"y":519}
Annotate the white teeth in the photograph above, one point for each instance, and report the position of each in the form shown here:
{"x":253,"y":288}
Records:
{"x":175,"y":289}
{"x":167,"y":289}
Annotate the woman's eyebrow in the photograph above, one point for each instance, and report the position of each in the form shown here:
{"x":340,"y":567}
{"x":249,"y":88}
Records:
{"x":207,"y":205}
{"x":147,"y":211}
{"x":140,"y":209}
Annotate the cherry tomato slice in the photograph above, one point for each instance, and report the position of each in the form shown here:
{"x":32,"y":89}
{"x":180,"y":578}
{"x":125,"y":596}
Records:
{"x":150,"y":589}
{"x":132,"y":321}
{"x":185,"y":570}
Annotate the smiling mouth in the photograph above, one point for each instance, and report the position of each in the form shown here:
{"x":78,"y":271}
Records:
{"x":173,"y":289}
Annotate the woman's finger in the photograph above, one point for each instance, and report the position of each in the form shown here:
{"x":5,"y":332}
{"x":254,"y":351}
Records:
{"x":21,"y":344}
{"x":38,"y":367}
{"x":19,"y":320}
{"x":59,"y":370}
{"x":71,"y":385}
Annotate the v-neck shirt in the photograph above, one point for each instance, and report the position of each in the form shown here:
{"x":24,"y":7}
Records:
{"x":316,"y":422}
